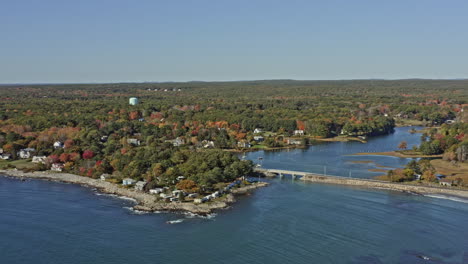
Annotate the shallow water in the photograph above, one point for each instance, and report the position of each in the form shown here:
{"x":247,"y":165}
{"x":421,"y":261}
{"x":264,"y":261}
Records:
{"x":335,"y":158}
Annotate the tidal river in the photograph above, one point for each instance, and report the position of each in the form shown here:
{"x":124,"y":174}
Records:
{"x":287,"y":222}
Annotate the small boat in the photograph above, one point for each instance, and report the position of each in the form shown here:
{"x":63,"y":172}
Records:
{"x":175,"y":221}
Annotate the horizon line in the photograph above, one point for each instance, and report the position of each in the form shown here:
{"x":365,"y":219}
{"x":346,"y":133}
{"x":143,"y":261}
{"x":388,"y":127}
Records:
{"x":221,"y":81}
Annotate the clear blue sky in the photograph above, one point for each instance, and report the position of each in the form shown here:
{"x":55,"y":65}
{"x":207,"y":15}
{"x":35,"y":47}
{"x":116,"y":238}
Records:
{"x":112,"y":40}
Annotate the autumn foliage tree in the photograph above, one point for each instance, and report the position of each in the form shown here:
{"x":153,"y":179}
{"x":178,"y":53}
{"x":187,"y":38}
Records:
{"x":187,"y":186}
{"x":88,"y":154}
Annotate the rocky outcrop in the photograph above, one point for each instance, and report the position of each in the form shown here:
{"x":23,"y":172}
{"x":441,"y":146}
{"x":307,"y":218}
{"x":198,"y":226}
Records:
{"x":145,"y":201}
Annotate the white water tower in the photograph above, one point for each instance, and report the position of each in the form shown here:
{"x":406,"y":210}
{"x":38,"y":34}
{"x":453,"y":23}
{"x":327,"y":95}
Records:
{"x":133,"y":101}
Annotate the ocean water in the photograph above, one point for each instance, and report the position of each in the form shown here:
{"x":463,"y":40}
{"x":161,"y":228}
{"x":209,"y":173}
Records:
{"x":287,"y":222}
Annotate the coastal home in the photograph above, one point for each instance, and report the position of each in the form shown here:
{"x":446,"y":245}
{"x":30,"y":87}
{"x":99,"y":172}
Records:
{"x":208,"y":144}
{"x":165,"y":195}
{"x":179,"y":178}
{"x":449,"y":122}
{"x":259,"y":138}
{"x":139,"y":185}
{"x":173,"y":199}
{"x":178,"y":142}
{"x":192,"y":195}
{"x":258,"y":131}
{"x":39,"y":159}
{"x":294,"y":141}
{"x":445,"y":182}
{"x":156,"y":190}
{"x":1,"y":151}
{"x":198,"y":201}
{"x":133,"y":141}
{"x":5,"y":156}
{"x":58,"y":145}
{"x":299,"y":132}
{"x":105,"y":176}
{"x":26,"y":153}
{"x":128,"y":181}
{"x":177,"y":192}
{"x":57,"y":167}
{"x":243,"y":144}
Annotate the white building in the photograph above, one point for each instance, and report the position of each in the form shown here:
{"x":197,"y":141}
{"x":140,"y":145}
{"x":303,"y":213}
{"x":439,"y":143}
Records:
{"x":133,"y":101}
{"x":178,"y":142}
{"x":259,"y":138}
{"x":165,"y":196}
{"x":128,"y":181}
{"x":293,"y":141}
{"x":156,"y":190}
{"x":133,"y":141}
{"x":299,"y":132}
{"x":39,"y":159}
{"x":26,"y":153}
{"x":105,"y":176}
{"x":58,"y":144}
{"x":258,"y":131}
{"x":57,"y":167}
{"x":140,"y":185}
{"x":243,"y":144}
{"x":5,"y":156}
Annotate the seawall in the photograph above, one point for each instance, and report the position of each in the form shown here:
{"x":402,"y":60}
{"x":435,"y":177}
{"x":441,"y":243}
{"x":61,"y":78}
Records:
{"x":385,"y":185}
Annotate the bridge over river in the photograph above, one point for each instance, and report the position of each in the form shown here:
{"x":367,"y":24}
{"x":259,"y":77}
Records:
{"x":294,"y":174}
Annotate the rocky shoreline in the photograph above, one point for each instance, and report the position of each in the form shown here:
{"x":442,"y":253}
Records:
{"x":145,"y":201}
{"x":374,"y":184}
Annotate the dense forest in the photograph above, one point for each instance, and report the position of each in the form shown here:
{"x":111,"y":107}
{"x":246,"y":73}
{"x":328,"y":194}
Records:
{"x":181,"y":128}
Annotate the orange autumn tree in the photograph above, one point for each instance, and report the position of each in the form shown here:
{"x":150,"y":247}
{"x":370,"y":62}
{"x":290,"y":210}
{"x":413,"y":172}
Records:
{"x":300,"y":125}
{"x":188,"y":186}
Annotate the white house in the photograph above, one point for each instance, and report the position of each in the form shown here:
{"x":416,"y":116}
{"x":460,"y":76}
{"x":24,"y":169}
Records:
{"x":128,"y":181}
{"x":177,"y":192}
{"x":26,"y":153}
{"x":57,"y":167}
{"x":208,"y":144}
{"x":139,"y":185}
{"x":299,"y":132}
{"x":179,"y":178}
{"x":58,"y":144}
{"x":258,"y":131}
{"x":165,"y":196}
{"x":445,"y":182}
{"x":192,"y":195}
{"x":243,"y":144}
{"x":178,"y":142}
{"x":39,"y":159}
{"x":133,"y":141}
{"x":5,"y":156}
{"x":293,"y":141}
{"x":156,"y":190}
{"x":104,"y":176}
{"x":259,"y":138}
